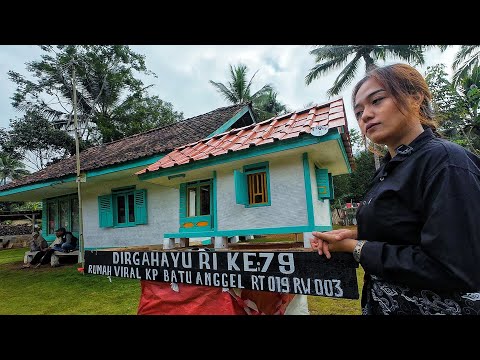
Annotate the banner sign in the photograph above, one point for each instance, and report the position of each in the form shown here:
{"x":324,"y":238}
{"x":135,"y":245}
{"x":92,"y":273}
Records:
{"x":301,"y":272}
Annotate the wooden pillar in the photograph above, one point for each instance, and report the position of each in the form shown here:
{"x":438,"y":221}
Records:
{"x":184,"y":242}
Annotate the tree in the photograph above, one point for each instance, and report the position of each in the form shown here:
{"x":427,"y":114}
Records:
{"x":11,"y":169}
{"x":238,"y":90}
{"x":353,"y":187}
{"x":138,"y":114}
{"x":357,"y":140}
{"x":465,"y":60}
{"x":106,"y":83}
{"x":268,"y":106}
{"x":331,"y":57}
{"x":457,"y":107}
{"x":39,"y":141}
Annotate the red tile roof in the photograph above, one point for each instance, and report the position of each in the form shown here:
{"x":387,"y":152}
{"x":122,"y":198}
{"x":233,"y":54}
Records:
{"x":152,"y":142}
{"x":331,"y":114}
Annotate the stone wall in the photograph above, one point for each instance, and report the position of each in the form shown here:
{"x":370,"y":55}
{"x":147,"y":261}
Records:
{"x":14,"y":241}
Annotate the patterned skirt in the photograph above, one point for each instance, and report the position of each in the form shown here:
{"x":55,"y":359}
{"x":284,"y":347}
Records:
{"x":383,"y":298}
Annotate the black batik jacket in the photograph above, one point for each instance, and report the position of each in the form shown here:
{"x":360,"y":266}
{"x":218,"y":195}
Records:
{"x":421,"y":218}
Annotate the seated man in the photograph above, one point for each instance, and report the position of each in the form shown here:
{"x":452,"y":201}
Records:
{"x":44,"y":256}
{"x":38,"y":243}
{"x":69,"y":241}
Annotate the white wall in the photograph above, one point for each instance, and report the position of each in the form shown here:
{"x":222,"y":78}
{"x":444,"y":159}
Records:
{"x":288,"y":205}
{"x":162,"y":203}
{"x":287,"y":191}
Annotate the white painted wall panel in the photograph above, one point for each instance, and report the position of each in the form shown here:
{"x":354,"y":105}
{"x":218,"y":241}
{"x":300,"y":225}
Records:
{"x":163,"y":217}
{"x":287,"y":190}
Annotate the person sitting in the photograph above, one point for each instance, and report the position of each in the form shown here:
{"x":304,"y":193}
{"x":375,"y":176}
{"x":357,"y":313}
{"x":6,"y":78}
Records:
{"x":44,"y":256}
{"x":38,"y":243}
{"x":69,"y":241}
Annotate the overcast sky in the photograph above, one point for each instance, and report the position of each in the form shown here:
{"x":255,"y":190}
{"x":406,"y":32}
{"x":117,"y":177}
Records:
{"x":184,"y":72}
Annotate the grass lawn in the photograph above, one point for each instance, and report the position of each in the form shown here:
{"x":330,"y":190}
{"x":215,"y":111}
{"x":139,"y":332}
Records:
{"x":65,"y":291}
{"x":62,"y":290}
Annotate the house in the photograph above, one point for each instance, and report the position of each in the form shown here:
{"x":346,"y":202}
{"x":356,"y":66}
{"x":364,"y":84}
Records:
{"x":215,"y":175}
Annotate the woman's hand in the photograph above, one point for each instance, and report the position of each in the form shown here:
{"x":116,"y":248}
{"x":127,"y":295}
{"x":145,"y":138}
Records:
{"x":342,"y":240}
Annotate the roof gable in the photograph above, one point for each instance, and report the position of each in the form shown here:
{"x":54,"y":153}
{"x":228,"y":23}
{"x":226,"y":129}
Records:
{"x":137,"y":146}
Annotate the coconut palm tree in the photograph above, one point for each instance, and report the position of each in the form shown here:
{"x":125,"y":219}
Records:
{"x":331,"y":57}
{"x":268,"y":106}
{"x":11,"y":168}
{"x":238,"y":90}
{"x":465,"y":60}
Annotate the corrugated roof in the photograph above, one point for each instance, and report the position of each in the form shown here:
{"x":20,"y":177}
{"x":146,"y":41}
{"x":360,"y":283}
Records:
{"x":331,"y":114}
{"x":135,"y":147}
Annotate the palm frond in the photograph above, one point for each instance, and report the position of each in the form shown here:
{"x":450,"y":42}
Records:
{"x":225,"y":92}
{"x":465,"y":70}
{"x":325,"y":67}
{"x":464,"y":52}
{"x":410,"y":53}
{"x":329,"y":52}
{"x":345,"y":77}
{"x":264,"y":90}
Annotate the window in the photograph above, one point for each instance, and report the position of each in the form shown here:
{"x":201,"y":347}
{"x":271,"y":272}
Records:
{"x":252,"y":187}
{"x":123,"y":207}
{"x":198,"y":199}
{"x":60,"y":212}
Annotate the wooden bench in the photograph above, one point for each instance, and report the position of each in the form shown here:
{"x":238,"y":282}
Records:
{"x":54,"y":261}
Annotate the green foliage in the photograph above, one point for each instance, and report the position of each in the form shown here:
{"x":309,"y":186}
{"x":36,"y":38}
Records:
{"x":456,"y":107}
{"x":347,"y":58}
{"x":138,"y":114}
{"x":357,"y":140}
{"x":238,"y":90}
{"x":353,"y":186}
{"x":465,"y":61}
{"x":36,"y":135}
{"x":11,"y":168}
{"x":361,"y":177}
{"x":108,"y":91}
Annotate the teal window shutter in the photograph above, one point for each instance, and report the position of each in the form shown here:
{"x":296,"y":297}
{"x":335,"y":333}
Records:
{"x":330,"y":182}
{"x":44,"y":218}
{"x":183,"y":201}
{"x":323,"y":183}
{"x":141,"y":212}
{"x":240,"y":187}
{"x":105,"y":211}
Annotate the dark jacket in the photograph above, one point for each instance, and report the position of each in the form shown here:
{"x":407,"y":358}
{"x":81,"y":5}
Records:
{"x":69,"y":238}
{"x":421,"y":218}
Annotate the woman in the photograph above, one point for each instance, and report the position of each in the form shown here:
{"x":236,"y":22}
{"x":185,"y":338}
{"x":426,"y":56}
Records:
{"x":418,"y":236}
